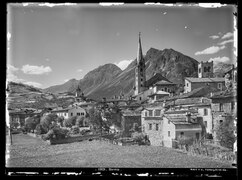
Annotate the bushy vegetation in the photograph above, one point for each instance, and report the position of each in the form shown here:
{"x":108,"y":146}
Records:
{"x":31,"y":123}
{"x":47,"y":122}
{"x":70,"y":121}
{"x":225,"y":133}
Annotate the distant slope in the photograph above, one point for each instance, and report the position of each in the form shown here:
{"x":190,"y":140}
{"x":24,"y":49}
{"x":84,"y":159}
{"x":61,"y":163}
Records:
{"x":69,"y":86}
{"x":220,"y":68}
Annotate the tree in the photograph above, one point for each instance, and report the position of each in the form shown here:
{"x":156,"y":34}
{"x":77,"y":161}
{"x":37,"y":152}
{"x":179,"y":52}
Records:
{"x":46,"y":121}
{"x":79,"y":121}
{"x":70,"y":121}
{"x":225,"y":132}
{"x":31,"y":123}
{"x":95,"y":119}
{"x":60,"y":120}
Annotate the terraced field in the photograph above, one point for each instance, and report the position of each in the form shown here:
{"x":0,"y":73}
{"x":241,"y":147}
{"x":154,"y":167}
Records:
{"x":27,"y":151}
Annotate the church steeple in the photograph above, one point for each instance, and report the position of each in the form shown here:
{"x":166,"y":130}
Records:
{"x":140,"y":76}
{"x":139,"y":53}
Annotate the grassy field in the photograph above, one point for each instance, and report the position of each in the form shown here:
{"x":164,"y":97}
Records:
{"x":27,"y":151}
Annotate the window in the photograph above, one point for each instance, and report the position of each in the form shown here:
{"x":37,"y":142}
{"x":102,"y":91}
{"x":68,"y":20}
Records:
{"x":162,"y":89}
{"x":71,"y":114}
{"x":150,"y":113}
{"x":199,"y":70}
{"x":65,"y":114}
{"x":156,"y":127}
{"x":165,"y":89}
{"x":181,"y":133}
{"x":168,"y":90}
{"x":157,"y":112}
{"x":209,"y":68}
{"x":140,"y":97}
{"x":150,"y":126}
{"x":206,"y":124}
{"x":205,"y":69}
{"x":205,"y":112}
{"x":146,"y":114}
{"x":221,"y":107}
{"x":169,"y":133}
{"x":141,"y":79}
{"x":232,"y":106}
{"x":220,"y":86}
{"x":187,"y":84}
{"x":221,"y":121}
{"x":78,"y":114}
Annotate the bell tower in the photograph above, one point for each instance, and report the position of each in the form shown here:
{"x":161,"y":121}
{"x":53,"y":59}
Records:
{"x":140,"y":76}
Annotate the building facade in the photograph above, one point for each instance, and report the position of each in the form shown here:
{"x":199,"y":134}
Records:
{"x":194,"y":83}
{"x":162,"y":127}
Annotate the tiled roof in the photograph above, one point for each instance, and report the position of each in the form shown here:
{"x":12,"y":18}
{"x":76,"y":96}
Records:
{"x":223,"y":94}
{"x":205,"y":79}
{"x":163,"y":82}
{"x":157,"y":77}
{"x":198,"y":92}
{"x":189,"y":101}
{"x":160,"y":93}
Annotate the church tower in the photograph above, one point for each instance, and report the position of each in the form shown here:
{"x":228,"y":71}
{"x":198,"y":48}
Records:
{"x":140,"y":76}
{"x":205,"y":69}
{"x":79,"y":94}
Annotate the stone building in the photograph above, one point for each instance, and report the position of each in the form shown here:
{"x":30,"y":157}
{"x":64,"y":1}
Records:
{"x":130,"y":120}
{"x":205,"y":69}
{"x":194,"y":83}
{"x":162,"y":127}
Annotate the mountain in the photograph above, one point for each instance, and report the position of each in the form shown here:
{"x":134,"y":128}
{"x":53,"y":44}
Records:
{"x":220,"y":68}
{"x":171,"y":64}
{"x":69,"y":86}
{"x":109,"y":80}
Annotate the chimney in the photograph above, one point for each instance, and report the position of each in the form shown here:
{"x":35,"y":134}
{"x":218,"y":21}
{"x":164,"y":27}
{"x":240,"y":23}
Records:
{"x":188,"y":117}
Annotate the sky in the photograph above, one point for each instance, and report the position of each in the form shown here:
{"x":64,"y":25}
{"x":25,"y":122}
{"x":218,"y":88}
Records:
{"x":48,"y":46}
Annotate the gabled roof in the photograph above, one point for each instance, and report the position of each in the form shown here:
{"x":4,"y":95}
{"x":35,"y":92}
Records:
{"x":156,"y":78}
{"x":190,"y":101}
{"x":224,"y":94}
{"x":199,"y":92}
{"x":164,"y":82}
{"x":194,"y":80}
{"x":159,"y":93}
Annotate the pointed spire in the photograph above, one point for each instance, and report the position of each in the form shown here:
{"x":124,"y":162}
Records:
{"x":139,"y":53}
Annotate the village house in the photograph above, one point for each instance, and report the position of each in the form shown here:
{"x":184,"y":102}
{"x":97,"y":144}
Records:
{"x":201,"y":104}
{"x":162,"y":128}
{"x":61,"y":112}
{"x":224,"y":107}
{"x":19,"y":116}
{"x":194,"y":83}
{"x":130,"y":120}
{"x":205,"y":79}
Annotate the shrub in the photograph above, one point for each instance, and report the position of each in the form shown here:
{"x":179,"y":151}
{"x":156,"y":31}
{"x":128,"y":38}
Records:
{"x":79,"y":121}
{"x":39,"y":129}
{"x":60,"y":133}
{"x":70,"y":121}
{"x":75,"y":130}
{"x":31,"y":123}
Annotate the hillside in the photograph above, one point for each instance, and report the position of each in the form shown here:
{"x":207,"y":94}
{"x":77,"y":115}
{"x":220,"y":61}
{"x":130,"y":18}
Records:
{"x":220,"y":68}
{"x":69,"y":86}
{"x":24,"y":96}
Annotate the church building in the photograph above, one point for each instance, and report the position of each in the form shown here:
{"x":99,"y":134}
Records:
{"x":153,"y":89}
